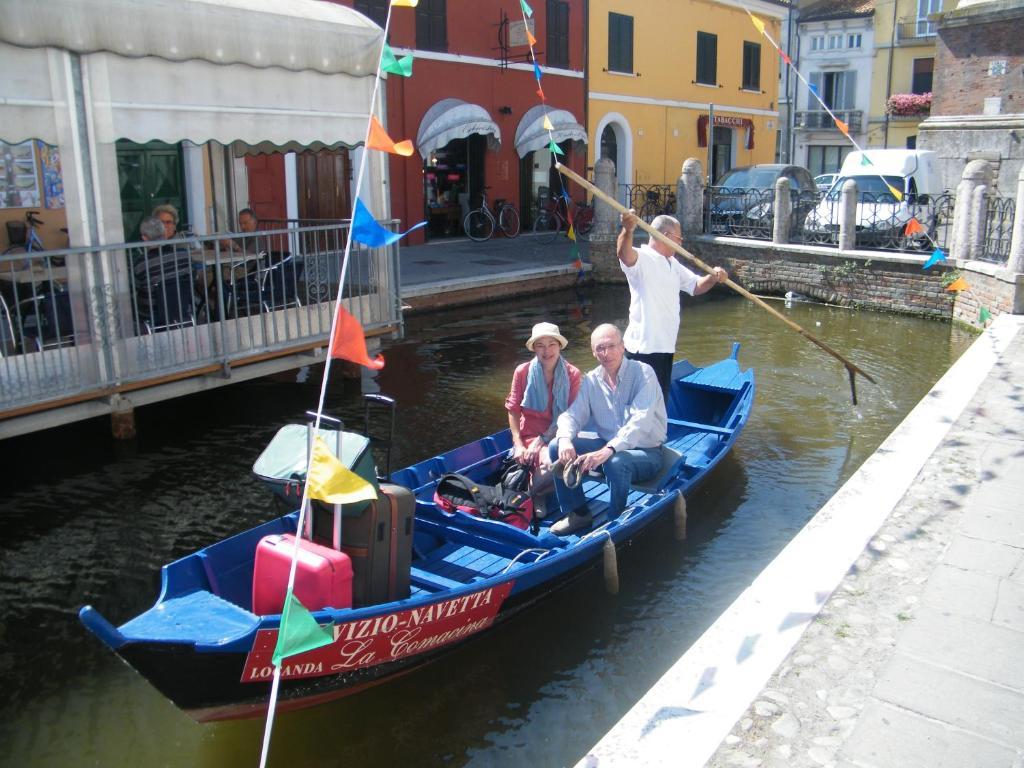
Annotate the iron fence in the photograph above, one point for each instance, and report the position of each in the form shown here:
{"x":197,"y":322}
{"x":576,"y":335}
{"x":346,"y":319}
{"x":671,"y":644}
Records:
{"x":999,"y":213}
{"x":651,"y":200}
{"x":86,"y":319}
{"x":750,"y":213}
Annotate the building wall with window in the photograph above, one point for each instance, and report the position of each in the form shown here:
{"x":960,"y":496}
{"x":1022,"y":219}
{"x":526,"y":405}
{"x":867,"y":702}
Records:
{"x":457,"y":54}
{"x":654,"y":68}
{"x":904,"y":62}
{"x":836,"y":55}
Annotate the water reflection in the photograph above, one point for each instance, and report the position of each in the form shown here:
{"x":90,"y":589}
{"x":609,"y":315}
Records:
{"x":91,"y":522}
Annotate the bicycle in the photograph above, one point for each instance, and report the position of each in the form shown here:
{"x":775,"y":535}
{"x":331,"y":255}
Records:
{"x":480,"y":222}
{"x":31,"y":241}
{"x":553,"y":216}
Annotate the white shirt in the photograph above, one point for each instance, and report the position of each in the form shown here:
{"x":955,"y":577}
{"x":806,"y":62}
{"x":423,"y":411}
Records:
{"x":632,"y":415}
{"x":654,"y":286}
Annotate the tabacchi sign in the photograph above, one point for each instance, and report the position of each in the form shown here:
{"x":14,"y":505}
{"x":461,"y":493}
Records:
{"x":387,"y":637}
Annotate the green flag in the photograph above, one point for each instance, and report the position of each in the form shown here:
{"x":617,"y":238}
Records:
{"x":984,"y":315}
{"x":526,"y":9}
{"x":555,"y":148}
{"x":865,"y":160}
{"x":299,"y":631}
{"x":393,"y":65}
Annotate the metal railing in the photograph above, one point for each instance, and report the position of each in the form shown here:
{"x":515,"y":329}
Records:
{"x":650,"y":200}
{"x":83,"y":320}
{"x":999,"y":213}
{"x":914,"y":30}
{"x":819,"y":118}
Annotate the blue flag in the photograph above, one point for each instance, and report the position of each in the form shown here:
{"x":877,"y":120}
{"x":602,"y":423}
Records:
{"x":536,"y":71}
{"x":934,"y":259}
{"x":813,"y":90}
{"x":367,"y":231}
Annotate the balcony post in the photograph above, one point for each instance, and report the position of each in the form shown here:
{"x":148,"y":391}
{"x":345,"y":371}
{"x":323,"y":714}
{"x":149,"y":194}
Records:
{"x":783,"y":211}
{"x":848,"y":216}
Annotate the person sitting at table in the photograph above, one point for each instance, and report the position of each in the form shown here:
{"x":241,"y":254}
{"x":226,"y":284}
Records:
{"x":621,"y":401}
{"x":163,"y":276}
{"x":247,"y":224}
{"x":542,"y":388}
{"x":167,"y":214}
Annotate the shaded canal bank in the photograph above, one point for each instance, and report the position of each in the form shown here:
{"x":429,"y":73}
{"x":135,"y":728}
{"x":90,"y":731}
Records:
{"x":90,"y":522}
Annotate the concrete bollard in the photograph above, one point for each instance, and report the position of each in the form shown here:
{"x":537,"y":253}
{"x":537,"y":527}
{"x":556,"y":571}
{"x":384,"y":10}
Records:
{"x":122,"y":418}
{"x":783,"y":211}
{"x":606,"y":220}
{"x":1016,"y":261}
{"x":690,"y":198}
{"x":975,"y":250}
{"x":848,"y":216}
{"x":975,"y":172}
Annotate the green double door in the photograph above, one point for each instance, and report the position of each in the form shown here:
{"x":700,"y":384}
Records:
{"x":149,"y":174}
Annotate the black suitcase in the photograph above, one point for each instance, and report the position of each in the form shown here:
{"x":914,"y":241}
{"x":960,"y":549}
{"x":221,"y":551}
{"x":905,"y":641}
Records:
{"x":379,"y":543}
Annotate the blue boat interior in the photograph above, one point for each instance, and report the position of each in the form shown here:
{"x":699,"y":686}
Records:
{"x":206,"y":597}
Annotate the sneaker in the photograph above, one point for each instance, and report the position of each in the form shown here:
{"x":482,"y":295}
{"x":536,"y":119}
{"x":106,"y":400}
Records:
{"x":571,"y":523}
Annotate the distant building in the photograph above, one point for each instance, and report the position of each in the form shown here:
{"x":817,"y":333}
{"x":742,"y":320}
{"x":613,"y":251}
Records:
{"x":978,"y":102}
{"x":903,"y":71}
{"x":835,"y":54}
{"x":654,"y":71}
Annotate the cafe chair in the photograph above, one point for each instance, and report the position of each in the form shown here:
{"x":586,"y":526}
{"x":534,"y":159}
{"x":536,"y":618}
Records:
{"x":243,"y":290}
{"x":279,"y":284}
{"x":8,"y":341}
{"x":167,"y":302}
{"x":46,"y":320}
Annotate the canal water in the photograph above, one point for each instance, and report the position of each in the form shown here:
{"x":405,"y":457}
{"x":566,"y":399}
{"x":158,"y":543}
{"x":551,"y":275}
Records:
{"x":88,"y":521}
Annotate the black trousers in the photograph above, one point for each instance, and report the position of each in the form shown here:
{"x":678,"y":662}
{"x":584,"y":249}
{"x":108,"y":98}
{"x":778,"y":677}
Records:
{"x":661,"y":362}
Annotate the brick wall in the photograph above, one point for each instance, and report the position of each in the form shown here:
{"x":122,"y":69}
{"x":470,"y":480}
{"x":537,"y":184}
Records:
{"x":962,"y":56}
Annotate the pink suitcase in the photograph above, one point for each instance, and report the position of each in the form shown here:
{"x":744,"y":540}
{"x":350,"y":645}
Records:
{"x":323,"y":576}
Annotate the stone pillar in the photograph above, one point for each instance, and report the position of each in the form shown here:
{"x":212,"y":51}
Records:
{"x":690,"y":198}
{"x":783,"y":211}
{"x":1016,"y":261}
{"x":122,"y":418}
{"x":606,"y":226}
{"x":848,"y":216}
{"x":975,"y":172}
{"x":975,"y":247}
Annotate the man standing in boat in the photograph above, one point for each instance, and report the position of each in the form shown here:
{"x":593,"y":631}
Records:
{"x":621,"y":401}
{"x":655,"y":278}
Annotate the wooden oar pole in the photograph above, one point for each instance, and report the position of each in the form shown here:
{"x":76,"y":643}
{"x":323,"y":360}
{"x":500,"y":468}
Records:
{"x":851,"y":368}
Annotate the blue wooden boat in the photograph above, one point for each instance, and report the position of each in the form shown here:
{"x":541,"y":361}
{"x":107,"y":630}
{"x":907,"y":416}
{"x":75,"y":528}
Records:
{"x":204,"y":649}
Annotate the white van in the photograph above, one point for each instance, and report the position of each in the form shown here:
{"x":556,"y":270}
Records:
{"x":881,"y":217}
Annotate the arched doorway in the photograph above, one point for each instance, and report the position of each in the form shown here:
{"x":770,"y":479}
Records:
{"x":615,"y":136}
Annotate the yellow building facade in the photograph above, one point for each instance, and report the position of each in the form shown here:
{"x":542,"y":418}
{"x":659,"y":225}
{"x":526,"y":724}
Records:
{"x":655,"y":66}
{"x":904,"y":63}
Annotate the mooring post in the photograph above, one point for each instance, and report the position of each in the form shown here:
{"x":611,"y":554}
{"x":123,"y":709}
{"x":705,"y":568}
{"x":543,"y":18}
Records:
{"x":848,"y":216}
{"x":783,"y":211}
{"x":690,"y":198}
{"x":122,"y":418}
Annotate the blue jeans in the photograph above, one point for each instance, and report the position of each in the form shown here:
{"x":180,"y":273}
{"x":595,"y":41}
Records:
{"x":621,"y":470}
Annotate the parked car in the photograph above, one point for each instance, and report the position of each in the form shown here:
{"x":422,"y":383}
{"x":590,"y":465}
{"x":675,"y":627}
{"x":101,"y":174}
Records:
{"x":742,"y":202}
{"x":824,"y":181}
{"x":882,"y":216}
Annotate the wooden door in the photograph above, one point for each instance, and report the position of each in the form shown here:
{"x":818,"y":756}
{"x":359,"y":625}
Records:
{"x":323,"y":181}
{"x":267,"y":196}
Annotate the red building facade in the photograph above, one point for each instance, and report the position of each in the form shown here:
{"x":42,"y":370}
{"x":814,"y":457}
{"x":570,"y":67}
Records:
{"x":467,"y":105}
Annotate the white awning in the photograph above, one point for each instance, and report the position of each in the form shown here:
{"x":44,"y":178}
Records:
{"x":532,"y":135}
{"x":289,"y":73}
{"x":451,"y":119}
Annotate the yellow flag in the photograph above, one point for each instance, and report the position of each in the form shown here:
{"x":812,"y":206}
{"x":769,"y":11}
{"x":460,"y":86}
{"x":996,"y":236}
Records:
{"x":330,"y":481}
{"x":404,"y":3}
{"x":757,"y":22}
{"x":547,"y":124}
{"x":895,"y":192}
{"x":571,"y":234}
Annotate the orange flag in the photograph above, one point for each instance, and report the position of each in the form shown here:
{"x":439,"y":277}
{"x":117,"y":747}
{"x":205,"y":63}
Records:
{"x":350,"y":342}
{"x":530,"y":38}
{"x":379,"y":139}
{"x":843,"y":127}
{"x":913,"y":227}
{"x":958,"y":285}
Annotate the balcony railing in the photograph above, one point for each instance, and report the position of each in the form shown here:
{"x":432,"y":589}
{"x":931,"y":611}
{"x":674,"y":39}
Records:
{"x":915,"y":30}
{"x":817,"y":119}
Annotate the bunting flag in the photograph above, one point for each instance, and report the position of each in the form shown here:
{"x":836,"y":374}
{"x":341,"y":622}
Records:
{"x":526,"y":9}
{"x":331,"y":481}
{"x":393,"y":65}
{"x":540,"y":92}
{"x":843,"y":127}
{"x":555,"y":148}
{"x":913,"y":227}
{"x":547,"y":124}
{"x":299,"y":631}
{"x":934,"y":259}
{"x":571,"y":233}
{"x":957,"y":285}
{"x":786,"y":58}
{"x":530,"y":38}
{"x":895,"y":192}
{"x":404,"y":3}
{"x":367,"y":231}
{"x":350,"y":342}
{"x":984,"y":315}
{"x":865,"y":160}
{"x":536,"y":71}
{"x":814,"y":90}
{"x":379,"y":139}
{"x":758,"y":24}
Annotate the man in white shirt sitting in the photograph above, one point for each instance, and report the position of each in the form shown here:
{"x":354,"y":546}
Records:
{"x":655,"y":278}
{"x":621,"y":401}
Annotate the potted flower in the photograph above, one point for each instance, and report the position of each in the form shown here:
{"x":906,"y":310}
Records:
{"x":908,"y":104}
